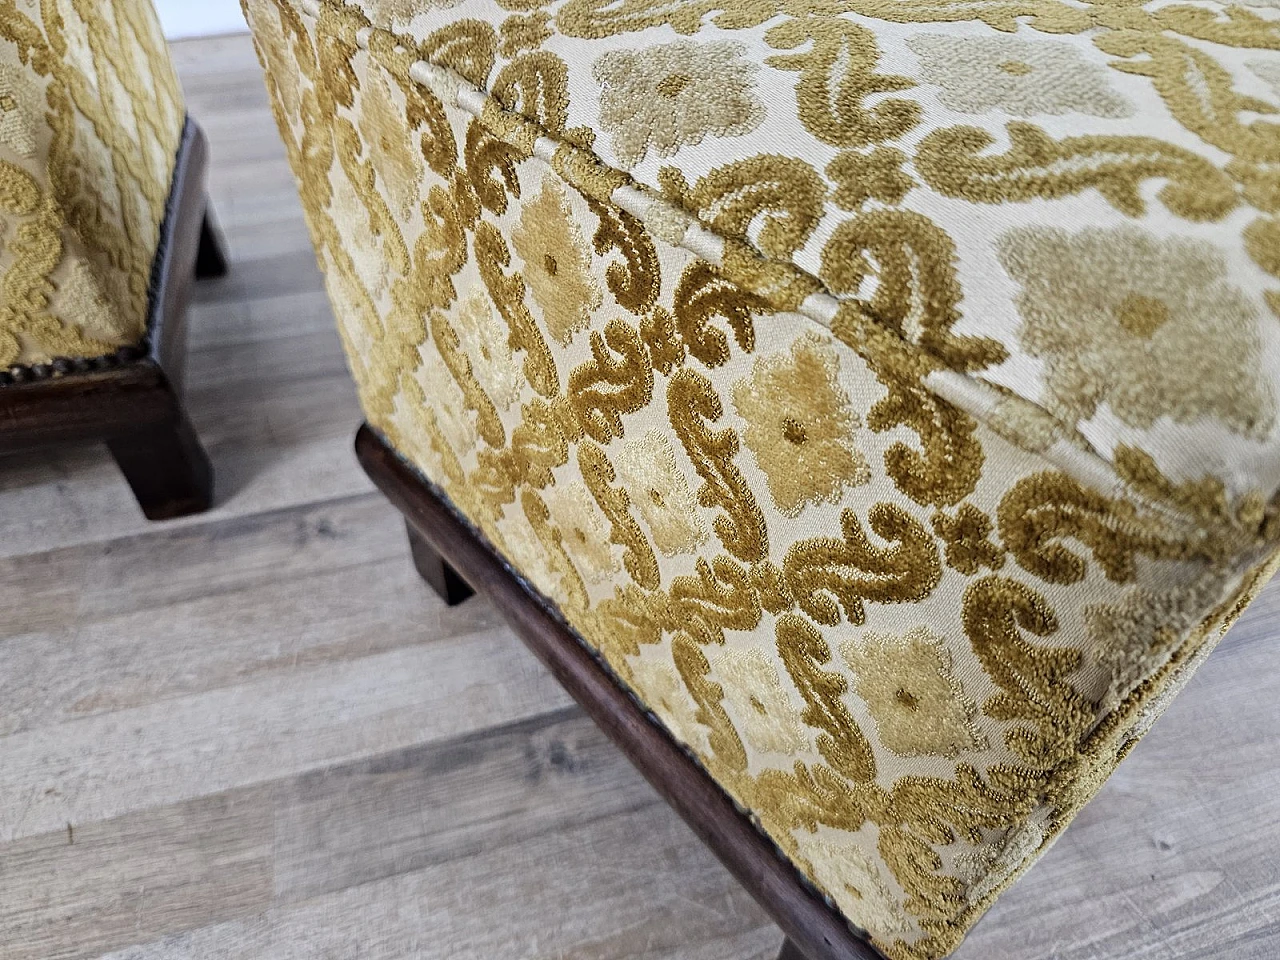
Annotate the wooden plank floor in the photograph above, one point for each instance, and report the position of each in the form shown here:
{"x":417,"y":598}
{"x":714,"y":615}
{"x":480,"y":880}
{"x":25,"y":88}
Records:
{"x":255,"y":734}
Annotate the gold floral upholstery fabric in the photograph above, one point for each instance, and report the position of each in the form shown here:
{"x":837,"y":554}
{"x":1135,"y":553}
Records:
{"x":887,"y":390}
{"x":90,"y":120}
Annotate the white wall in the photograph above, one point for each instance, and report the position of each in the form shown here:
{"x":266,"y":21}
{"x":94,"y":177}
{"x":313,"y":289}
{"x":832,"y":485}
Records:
{"x":200,"y":18}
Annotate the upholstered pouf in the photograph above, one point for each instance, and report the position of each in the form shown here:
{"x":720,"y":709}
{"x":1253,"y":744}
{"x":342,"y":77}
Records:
{"x":103,"y":221}
{"x":879,"y":397}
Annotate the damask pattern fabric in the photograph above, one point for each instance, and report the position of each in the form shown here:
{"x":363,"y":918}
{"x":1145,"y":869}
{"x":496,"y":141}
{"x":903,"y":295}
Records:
{"x":902,"y":435}
{"x":90,"y":120}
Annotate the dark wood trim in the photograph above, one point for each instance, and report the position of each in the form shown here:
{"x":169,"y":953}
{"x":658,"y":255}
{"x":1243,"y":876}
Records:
{"x":178,"y":254}
{"x":211,"y":259}
{"x":167,"y":469}
{"x":84,"y":407}
{"x":815,"y":928}
{"x":439,"y":575}
{"x":132,"y":399}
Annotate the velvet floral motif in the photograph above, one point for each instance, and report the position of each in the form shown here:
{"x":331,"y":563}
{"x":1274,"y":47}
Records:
{"x":856,"y":884}
{"x":556,"y":262}
{"x":396,"y":14}
{"x":363,"y":245}
{"x":1121,"y":317}
{"x":582,"y":530}
{"x":391,"y":147}
{"x":647,"y":468}
{"x":1018,"y":76}
{"x":659,"y":684}
{"x":1134,"y":636}
{"x":918,"y":704}
{"x":966,"y":535}
{"x":484,"y":338}
{"x":800,"y":425}
{"x":447,"y":404}
{"x":526,"y":552}
{"x":274,"y":47}
{"x":991,"y":864}
{"x":88,"y":302}
{"x":19,"y":110}
{"x":665,"y":97}
{"x":860,"y":177}
{"x":766,"y":716}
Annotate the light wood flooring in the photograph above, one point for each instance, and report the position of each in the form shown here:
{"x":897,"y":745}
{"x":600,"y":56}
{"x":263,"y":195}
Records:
{"x":255,"y":734}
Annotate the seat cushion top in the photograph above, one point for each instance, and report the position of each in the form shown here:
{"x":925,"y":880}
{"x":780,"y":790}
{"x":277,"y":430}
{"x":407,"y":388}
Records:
{"x":1068,"y":204}
{"x":91,"y":116}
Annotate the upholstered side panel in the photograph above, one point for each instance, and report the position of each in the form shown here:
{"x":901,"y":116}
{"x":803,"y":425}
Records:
{"x":90,"y":120}
{"x":911,"y":644}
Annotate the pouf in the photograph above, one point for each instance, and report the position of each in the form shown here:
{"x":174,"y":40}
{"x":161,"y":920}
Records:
{"x":103,"y":221}
{"x":883,"y":393}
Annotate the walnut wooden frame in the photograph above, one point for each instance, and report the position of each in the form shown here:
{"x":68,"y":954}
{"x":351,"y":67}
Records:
{"x":132,"y":399}
{"x":451,"y":554}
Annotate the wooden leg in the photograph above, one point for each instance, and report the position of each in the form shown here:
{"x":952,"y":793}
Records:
{"x":211,"y":256}
{"x":167,"y":468}
{"x":434,"y":569}
{"x":790,"y":951}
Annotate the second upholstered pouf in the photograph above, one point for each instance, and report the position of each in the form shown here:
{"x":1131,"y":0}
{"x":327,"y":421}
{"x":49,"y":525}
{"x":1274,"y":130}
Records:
{"x":103,"y":224}
{"x":885,"y":392}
